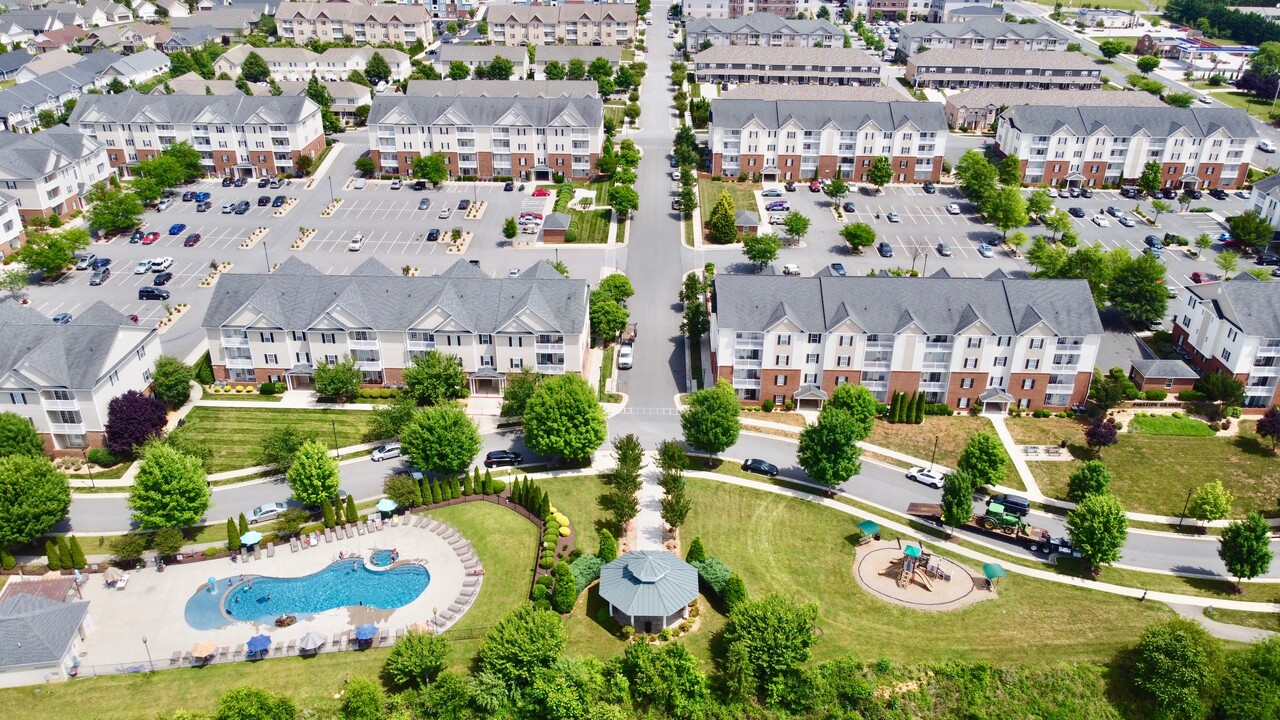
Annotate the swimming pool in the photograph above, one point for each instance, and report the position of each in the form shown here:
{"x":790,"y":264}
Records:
{"x":343,"y":584}
{"x":381,"y":558}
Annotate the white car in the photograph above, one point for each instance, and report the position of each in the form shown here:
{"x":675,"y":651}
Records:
{"x":776,"y":219}
{"x":386,"y":452}
{"x":445,"y":212}
{"x":360,"y":184}
{"x":790,"y":269}
{"x":625,"y":357}
{"x":675,"y":175}
{"x":356,"y":243}
{"x":228,"y":208}
{"x":1127,"y":221}
{"x":1266,"y":146}
{"x":953,"y":209}
{"x":161,"y":264}
{"x":143,"y":266}
{"x":932,"y":478}
{"x":266,"y":512}
{"x":1101,"y":220}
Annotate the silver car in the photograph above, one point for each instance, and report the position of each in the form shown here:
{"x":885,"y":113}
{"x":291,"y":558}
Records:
{"x":387,"y":452}
{"x":262,"y":513}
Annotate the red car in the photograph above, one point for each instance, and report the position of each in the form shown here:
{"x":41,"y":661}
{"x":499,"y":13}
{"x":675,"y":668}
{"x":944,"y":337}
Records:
{"x":150,"y":238}
{"x":534,"y":215}
{"x":1199,"y":277}
{"x":192,"y":240}
{"x":542,"y":192}
{"x":815,"y":186}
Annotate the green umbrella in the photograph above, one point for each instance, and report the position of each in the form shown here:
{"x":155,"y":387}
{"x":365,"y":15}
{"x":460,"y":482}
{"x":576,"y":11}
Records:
{"x":912,"y":551}
{"x":993,"y":571}
{"x":868,"y":527}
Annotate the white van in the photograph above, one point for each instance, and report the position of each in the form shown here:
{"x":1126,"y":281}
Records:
{"x":1266,"y":146}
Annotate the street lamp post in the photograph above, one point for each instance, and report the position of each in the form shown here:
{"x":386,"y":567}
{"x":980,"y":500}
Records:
{"x":88,"y":465}
{"x":266,"y":256}
{"x":1185,"y":505}
{"x":336,"y":450}
{"x":330,"y":188}
{"x":150,"y":663}
{"x":934,"y":456}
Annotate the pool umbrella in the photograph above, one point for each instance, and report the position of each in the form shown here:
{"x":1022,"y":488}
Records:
{"x":993,"y":571}
{"x":112,"y":574}
{"x":259,"y":643}
{"x":386,"y":505}
{"x":868,"y":527}
{"x":311,"y":642}
{"x":204,"y":649}
{"x":253,"y":537}
{"x":366,"y":631}
{"x":912,"y":551}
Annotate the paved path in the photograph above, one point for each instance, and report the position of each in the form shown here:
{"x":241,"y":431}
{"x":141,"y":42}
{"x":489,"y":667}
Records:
{"x":649,"y":527}
{"x":1019,"y":463}
{"x":1225,"y":631}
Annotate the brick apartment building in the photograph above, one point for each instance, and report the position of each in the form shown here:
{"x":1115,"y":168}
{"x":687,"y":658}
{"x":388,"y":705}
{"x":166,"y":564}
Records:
{"x":1233,"y":326}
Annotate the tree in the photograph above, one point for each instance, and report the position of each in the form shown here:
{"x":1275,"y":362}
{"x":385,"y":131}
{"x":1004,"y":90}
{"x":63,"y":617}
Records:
{"x":976,"y":177}
{"x":171,"y":489}
{"x":623,"y":79}
{"x":1098,"y":528}
{"x":797,"y":225}
{"x":554,"y":70}
{"x":632,"y":112}
{"x":431,"y":168}
{"x":858,"y":235}
{"x":565,"y":592}
{"x":362,"y":700}
{"x":617,"y":286}
{"x":521,"y":644}
{"x":1210,"y":501}
{"x":859,"y":403}
{"x":133,"y":419}
{"x":19,"y":437}
{"x":1251,"y":230}
{"x":577,"y":69}
{"x":435,"y":378}
{"x":1147,"y":63}
{"x":761,"y":249}
{"x":1112,"y":48}
{"x":251,"y":703}
{"x":15,"y":281}
{"x":1228,"y":261}
{"x":983,"y":459}
{"x":1177,"y":664}
{"x":1179,"y":99}
{"x":313,"y":475}
{"x":623,"y":199}
{"x":696,"y":553}
{"x":1100,"y":433}
{"x":722,"y":227}
{"x":365,"y":165}
{"x":710,"y":420}
{"x":172,"y":380}
{"x":880,"y":173}
{"x":254,"y":68}
{"x":52,"y":253}
{"x":337,"y":380}
{"x":1136,"y":288}
{"x":1058,"y":223}
{"x":1007,"y":209}
{"x":441,"y":439}
{"x":1245,"y":547}
{"x":417,"y":658}
{"x":379,"y":72}
{"x":836,"y":189}
{"x":676,"y":506}
{"x":1269,"y":425}
{"x":608,"y":547}
{"x":520,"y":387}
{"x":1039,"y":202}
{"x":114,"y":209}
{"x":563,"y":418}
{"x":34,"y":497}
{"x":608,"y":317}
{"x":510,"y":229}
{"x":957,"y":499}
{"x":279,"y":445}
{"x":1221,"y":387}
{"x":773,"y":634}
{"x":1149,"y":180}
{"x":1009,"y":171}
{"x":829,"y":451}
{"x":1089,"y":479}
{"x":459,"y":70}
{"x":180,"y":64}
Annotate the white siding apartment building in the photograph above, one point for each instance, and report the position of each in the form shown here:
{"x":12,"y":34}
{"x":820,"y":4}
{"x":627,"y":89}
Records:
{"x":48,"y":173}
{"x":374,"y":24}
{"x":1266,"y":199}
{"x":1091,"y":146}
{"x":572,"y":24}
{"x":10,"y":225}
{"x":301,"y":64}
{"x":236,"y":135}
{"x":62,"y":377}
{"x":1233,"y":326}
{"x":966,"y":342}
{"x":278,"y":327}
{"x":528,"y":137}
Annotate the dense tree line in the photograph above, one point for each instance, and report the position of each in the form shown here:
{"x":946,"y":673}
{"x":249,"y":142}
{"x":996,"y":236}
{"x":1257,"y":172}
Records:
{"x":1221,"y":20}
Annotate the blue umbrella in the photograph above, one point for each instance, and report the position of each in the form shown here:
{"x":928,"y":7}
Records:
{"x":386,"y":505}
{"x":366,"y":631}
{"x":253,"y":537}
{"x":259,"y":643}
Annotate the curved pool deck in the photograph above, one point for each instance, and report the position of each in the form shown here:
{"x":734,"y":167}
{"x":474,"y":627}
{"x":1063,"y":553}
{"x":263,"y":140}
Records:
{"x":153,"y":604}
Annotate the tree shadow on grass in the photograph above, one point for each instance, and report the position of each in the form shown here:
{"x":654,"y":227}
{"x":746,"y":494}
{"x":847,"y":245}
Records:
{"x":1120,"y":692}
{"x":1252,"y":445}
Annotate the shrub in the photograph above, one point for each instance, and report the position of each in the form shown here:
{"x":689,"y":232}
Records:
{"x":545,"y":581}
{"x":546,"y":563}
{"x":7,"y":561}
{"x":586,"y":569}
{"x":1155,"y":395}
{"x":211,"y":552}
{"x":496,"y":486}
{"x":539,"y":592}
{"x":938,"y":409}
{"x":767,"y":405}
{"x":628,"y":631}
{"x":1191,"y":396}
{"x":417,"y":658}
{"x":1041,"y":413}
{"x":1231,"y":412}
{"x":564,"y":532}
{"x":713,"y":573}
{"x":549,"y":538}
{"x":102,"y":457}
{"x":882,"y":410}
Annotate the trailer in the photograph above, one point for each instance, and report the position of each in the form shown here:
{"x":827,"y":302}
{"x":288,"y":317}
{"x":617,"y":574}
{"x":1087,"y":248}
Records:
{"x":1000,"y":524}
{"x":628,"y":335}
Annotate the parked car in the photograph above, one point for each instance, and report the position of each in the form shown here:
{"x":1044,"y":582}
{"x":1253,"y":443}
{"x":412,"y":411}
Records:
{"x":1076,"y":212}
{"x":356,"y":243}
{"x":1194,"y":193}
{"x":986,"y":251}
{"x":1201,"y":277}
{"x":944,"y":249}
{"x":1101,"y":220}
{"x":1086,"y":193}
{"x":760,"y":467}
{"x":161,"y":264}
{"x":932,"y":478}
{"x":263,"y":182}
{"x":463,"y":204}
{"x":1218,"y":194}
{"x":1266,"y":146}
{"x":143,"y":266}
{"x":227,"y":182}
{"x":150,"y":238}
{"x":1114,"y":211}
{"x":228,"y":208}
{"x":264,"y":200}
{"x":433,"y":235}
{"x":204,"y":206}
{"x":1013,"y":504}
{"x":86,"y":261}
{"x":243,"y":207}
{"x":360,"y":184}
{"x":885,"y":250}
{"x":137,"y":236}
{"x":790,"y":269}
{"x":675,"y":204}
{"x":386,"y":452}
{"x":445,"y":212}
{"x":790,"y":186}
{"x":99,"y":263}
{"x":929,"y":188}
{"x":778,"y":206}
{"x":838,"y":270}
{"x":424,"y":204}
{"x":777,"y":219}
{"x":893,"y":217}
{"x":420,"y":185}
{"x":815,"y":186}
{"x":202,"y":197}
{"x":192,"y":240}
{"x":1127,"y":221}
{"x":397,"y":184}
{"x":100,"y":276}
{"x":541,"y":192}
{"x":177,"y":228}
{"x":508,"y":186}
{"x":626,"y":357}
{"x":848,"y":207}
{"x":278,"y":201}
{"x":162,"y":279}
{"x":262,"y":513}
{"x":1169,"y":194}
{"x":241,"y":181}
{"x":771,"y":192}
{"x":1268,"y":258}
{"x":62,"y":319}
{"x":164,"y":204}
{"x":502,"y":458}
{"x":188,"y":196}
{"x":1129,"y":191}
{"x":1153,"y":242}
{"x":149,"y":292}
{"x":953,"y":209}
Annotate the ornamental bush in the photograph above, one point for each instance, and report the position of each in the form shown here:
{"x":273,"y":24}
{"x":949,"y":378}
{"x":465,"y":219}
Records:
{"x":586,"y":570}
{"x":713,"y":574}
{"x":1155,"y":395}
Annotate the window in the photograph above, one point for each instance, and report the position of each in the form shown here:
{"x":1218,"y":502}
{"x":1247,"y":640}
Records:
{"x":1024,"y":403}
{"x":810,"y":378}
{"x":146,"y":375}
{"x":964,"y":403}
{"x":299,"y":336}
{"x":1001,"y":362}
{"x":141,"y":353}
{"x":779,"y":399}
{"x":1232,"y":334}
{"x":270,"y":358}
{"x":517,"y":363}
{"x":267,"y":337}
{"x":975,"y":342}
{"x":842,"y":361}
{"x":1028,"y":384}
{"x":970,"y":363}
{"x":302,"y":358}
{"x":842,"y":380}
{"x":17,"y":398}
{"x":1033,"y":364}
{"x":811,"y":358}
{"x":1226,"y":354}
{"x":1168,"y":383}
{"x":1004,"y":341}
{"x":782,"y":360}
{"x":1037,"y":343}
{"x":1186,"y":321}
{"x":114,"y":377}
{"x":327,"y":338}
{"x":486,"y":339}
{"x":331,"y":359}
{"x":779,"y":380}
{"x":815,"y":338}
{"x":784,"y":340}
{"x":966,"y":383}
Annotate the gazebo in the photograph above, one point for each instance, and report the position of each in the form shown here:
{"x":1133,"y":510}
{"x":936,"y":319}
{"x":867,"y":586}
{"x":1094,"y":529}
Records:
{"x":649,"y":590}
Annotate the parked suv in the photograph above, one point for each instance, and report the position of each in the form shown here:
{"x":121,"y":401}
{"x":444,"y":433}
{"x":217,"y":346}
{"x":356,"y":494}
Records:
{"x":502,"y":458}
{"x":1013,"y":504}
{"x":386,"y":452}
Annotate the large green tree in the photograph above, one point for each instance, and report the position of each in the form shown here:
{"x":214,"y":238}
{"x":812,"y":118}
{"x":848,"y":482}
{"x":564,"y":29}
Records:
{"x":1177,"y":665}
{"x":1088,"y":479}
{"x":34,"y":496}
{"x":608,"y":316}
{"x":1137,"y":289}
{"x":254,"y":68}
{"x":1007,"y":209}
{"x":435,"y":378}
{"x":431,"y":168}
{"x":983,"y":459}
{"x":313,"y":475}
{"x":278,"y":446}
{"x":378,"y":71}
{"x":563,"y":418}
{"x":1210,"y":501}
{"x":417,"y":658}
{"x":880,"y":173}
{"x":1245,"y":547}
{"x":441,"y":439}
{"x":761,"y":249}
{"x":957,"y":499}
{"x":976,"y":177}
{"x":829,"y":451}
{"x":172,"y":380}
{"x":114,"y":209}
{"x":1251,"y":229}
{"x":523,"y":642}
{"x":774,"y":635}
{"x":1098,"y":528}
{"x":52,"y":253}
{"x":18,"y":436}
{"x":251,"y":703}
{"x":338,"y":380}
{"x":1149,"y":181}
{"x":170,"y":490}
{"x":722,"y":227}
{"x":710,"y":420}
{"x":858,"y":235}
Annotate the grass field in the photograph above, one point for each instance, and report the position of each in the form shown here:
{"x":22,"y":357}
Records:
{"x":233,"y":432}
{"x":1263,"y":621}
{"x":742,"y":194}
{"x":616,"y":113}
{"x":1240,"y":99}
{"x":590,"y":227}
{"x":1170,"y":426}
{"x":951,"y":432}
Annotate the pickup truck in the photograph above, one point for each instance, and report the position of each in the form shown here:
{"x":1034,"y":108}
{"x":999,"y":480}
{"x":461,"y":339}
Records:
{"x":1003,"y":525}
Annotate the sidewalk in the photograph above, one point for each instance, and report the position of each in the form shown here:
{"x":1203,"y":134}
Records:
{"x":1019,"y":463}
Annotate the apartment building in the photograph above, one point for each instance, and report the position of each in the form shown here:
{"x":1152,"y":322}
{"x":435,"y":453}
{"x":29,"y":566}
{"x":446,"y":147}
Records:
{"x":565,"y":54}
{"x":979,"y":34}
{"x":61,"y":377}
{"x":576,"y":24}
{"x":11,"y":232}
{"x":723,"y":9}
{"x":503,"y":88}
{"x":1092,"y":146}
{"x":474,"y":56}
{"x":373,"y":24}
{"x":990,"y":343}
{"x":802,"y":139}
{"x":1105,"y":18}
{"x":977,"y":110}
{"x":48,"y":173}
{"x":762,"y":29}
{"x":236,"y":135}
{"x":1266,"y":198}
{"x":787,"y":66}
{"x":1233,"y":326}
{"x":530,"y":138}
{"x":347,"y":96}
{"x":1026,"y":69}
{"x":300,"y":64}
{"x":279,"y":327}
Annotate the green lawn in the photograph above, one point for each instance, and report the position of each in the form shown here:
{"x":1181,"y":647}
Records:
{"x":233,"y":432}
{"x":578,"y":498}
{"x":590,"y":227}
{"x":1169,"y":425}
{"x":1240,"y":99}
{"x":951,"y":433}
{"x":742,"y":194}
{"x":616,"y":113}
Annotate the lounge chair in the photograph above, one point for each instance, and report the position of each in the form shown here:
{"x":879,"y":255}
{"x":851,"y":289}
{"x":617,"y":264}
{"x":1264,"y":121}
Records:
{"x":223,"y":652}
{"x":432,"y":525}
{"x":186,"y":658}
{"x":359,"y":528}
{"x":347,"y":529}
{"x":447,"y":616}
{"x":336,"y":643}
{"x":377,"y":523}
{"x":257,"y":552}
{"x":400,"y":633}
{"x":457,"y":542}
{"x":177,"y":655}
{"x":293,"y":647}
{"x":455,"y":608}
{"x":468,"y":558}
{"x":473,"y":565}
{"x":470,"y":582}
{"x":467,"y":592}
{"x":383,"y":635}
{"x":271,"y":549}
{"x":239,"y":651}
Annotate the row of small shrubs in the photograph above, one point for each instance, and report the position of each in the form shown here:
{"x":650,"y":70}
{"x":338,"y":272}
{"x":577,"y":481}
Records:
{"x":768,"y":405}
{"x":377,"y":393}
{"x":231,"y":389}
{"x":64,"y":554}
{"x":1191,"y":396}
{"x":904,"y":410}
{"x":1043,"y":413}
{"x":272,"y":388}
{"x":715,"y":577}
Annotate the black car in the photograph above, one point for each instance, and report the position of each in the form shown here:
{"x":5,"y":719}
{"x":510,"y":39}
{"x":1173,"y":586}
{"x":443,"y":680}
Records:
{"x":263,"y":182}
{"x":433,"y":235}
{"x":1129,"y":191}
{"x":464,"y":204}
{"x":502,"y":458}
{"x":1086,"y":193}
{"x":241,"y":182}
{"x":264,"y":200}
{"x":791,"y":187}
{"x":929,"y":189}
{"x":243,"y":207}
{"x":1169,"y":194}
{"x":136,"y":237}
{"x":227,"y":182}
{"x":1218,"y":194}
{"x":188,"y":196}
{"x":1076,"y":212}
{"x":885,"y":250}
{"x":1013,"y":504}
{"x":420,"y":185}
{"x":508,"y":186}
{"x":1268,"y":258}
{"x":162,"y":279}
{"x":760,"y":467}
{"x":1194,"y":194}
{"x":147,"y":292}
{"x":848,"y":207}
{"x":278,"y":201}
{"x":674,"y":163}
{"x":1153,"y":242}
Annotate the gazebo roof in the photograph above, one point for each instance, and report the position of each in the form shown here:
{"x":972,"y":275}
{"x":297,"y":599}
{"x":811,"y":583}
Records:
{"x":648,"y":583}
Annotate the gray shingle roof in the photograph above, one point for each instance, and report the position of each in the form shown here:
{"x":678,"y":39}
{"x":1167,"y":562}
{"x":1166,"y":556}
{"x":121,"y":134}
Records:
{"x":294,"y":299}
{"x":1164,"y":369}
{"x":1253,"y":306}
{"x":763,"y":23}
{"x":1009,"y":97}
{"x":353,"y":12}
{"x":191,"y":37}
{"x":182,"y":109}
{"x":524,"y":14}
{"x":504,"y":88}
{"x":939,"y":306}
{"x":142,"y":62}
{"x":814,"y":114}
{"x":774,"y":91}
{"x":36,"y":155}
{"x":1015,"y":59}
{"x":11,"y":62}
{"x":36,"y":630}
{"x":47,"y":87}
{"x":648,"y":583}
{"x":1129,"y":121}
{"x":586,"y":53}
{"x":481,"y":53}
{"x":746,"y":218}
{"x":977,"y":27}
{"x":73,"y":356}
{"x":483,"y":111}
{"x":823,"y":56}
{"x":1266,"y":184}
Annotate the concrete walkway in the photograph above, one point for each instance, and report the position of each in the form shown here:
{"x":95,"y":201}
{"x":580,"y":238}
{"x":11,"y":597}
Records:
{"x":650,"y":530}
{"x":1225,"y":631}
{"x":1019,"y":463}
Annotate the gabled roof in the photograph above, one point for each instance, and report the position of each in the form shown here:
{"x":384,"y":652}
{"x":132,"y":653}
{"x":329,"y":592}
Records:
{"x":11,"y":62}
{"x":504,"y":88}
{"x":481,"y":53}
{"x":1128,"y":121}
{"x":37,"y":631}
{"x":956,"y":58}
{"x":73,"y":356}
{"x":762,"y":23}
{"x":987,"y":28}
{"x":648,"y":583}
{"x":183,"y":109}
{"x":1267,"y":184}
{"x":147,"y":61}
{"x":35,"y":155}
{"x":525,"y":14}
{"x":815,"y":114}
{"x":482,"y":111}
{"x":352,"y":12}
{"x":821,"y":56}
{"x":1254,"y":307}
{"x":1156,"y":368}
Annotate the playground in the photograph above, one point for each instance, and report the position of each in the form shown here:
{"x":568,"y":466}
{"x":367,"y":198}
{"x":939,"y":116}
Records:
{"x":908,"y":574}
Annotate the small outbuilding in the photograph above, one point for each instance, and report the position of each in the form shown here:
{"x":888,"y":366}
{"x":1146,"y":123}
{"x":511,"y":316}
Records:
{"x":1172,"y":376}
{"x":747,"y":222}
{"x":650,"y":590}
{"x":40,"y":637}
{"x":555,"y":227}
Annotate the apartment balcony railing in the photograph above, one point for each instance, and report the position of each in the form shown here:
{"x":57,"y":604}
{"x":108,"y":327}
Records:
{"x":362,"y":344}
{"x":548,"y":347}
{"x":369,"y":364}
{"x":1265,"y":371}
{"x":66,"y":428}
{"x":237,"y":342}
{"x":550,"y":369}
{"x":59,"y":405}
{"x":240,"y":363}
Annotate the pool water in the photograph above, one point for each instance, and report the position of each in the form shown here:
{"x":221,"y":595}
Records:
{"x":342,"y":584}
{"x":380,"y":558}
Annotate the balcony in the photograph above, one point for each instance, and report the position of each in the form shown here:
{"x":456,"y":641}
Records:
{"x":369,"y":365}
{"x":549,"y":347}
{"x":876,"y":365}
{"x":240,"y":363}
{"x":362,"y":344}
{"x":550,"y":369}
{"x":59,"y":405}
{"x":879,"y":344}
{"x":933,"y":387}
{"x":1060,"y":389}
{"x":936,"y":366}
{"x":1067,"y":368}
{"x":1263,"y":390}
{"x":939,"y":346}
{"x":1269,"y":351}
{"x":1265,"y":371}
{"x":232,"y":341}
{"x":422,"y":345}
{"x":746,"y":383}
{"x":66,"y":428}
